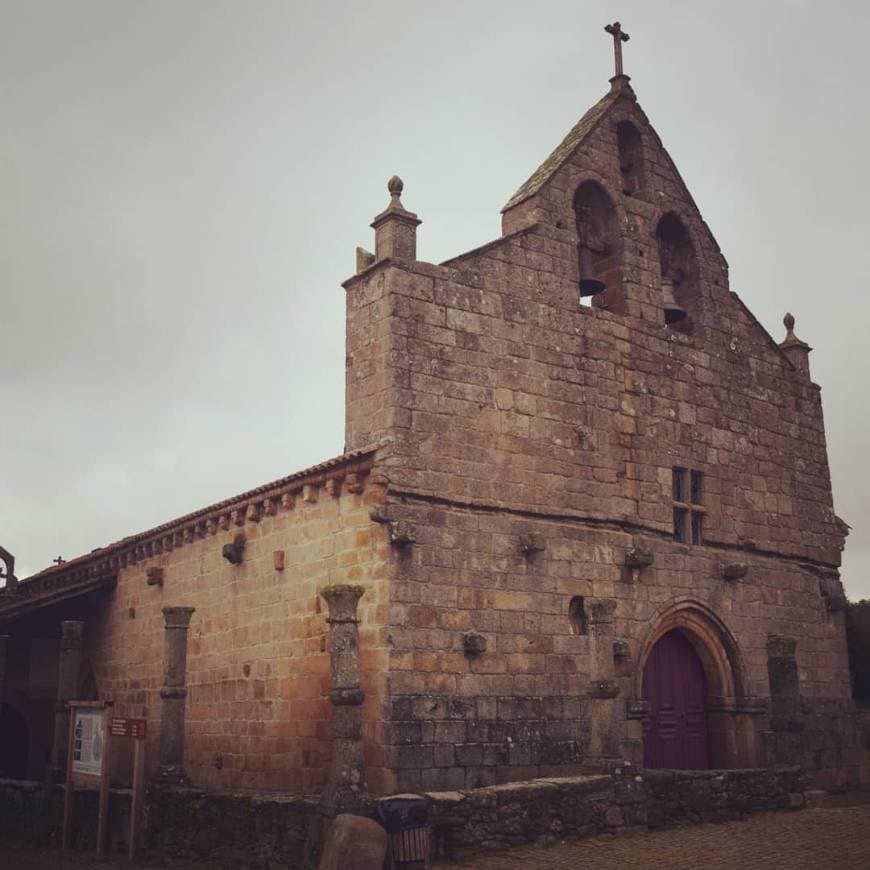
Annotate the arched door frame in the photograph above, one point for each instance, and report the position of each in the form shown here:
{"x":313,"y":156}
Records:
{"x":730,"y":712}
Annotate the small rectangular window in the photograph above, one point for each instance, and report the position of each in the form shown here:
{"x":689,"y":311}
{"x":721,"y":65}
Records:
{"x":697,"y":487}
{"x":680,"y":484}
{"x":680,"y":525}
{"x":697,"y":525}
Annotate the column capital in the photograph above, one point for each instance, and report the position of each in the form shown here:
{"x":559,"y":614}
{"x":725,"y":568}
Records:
{"x":177,"y":617}
{"x":71,"y":633}
{"x":342,"y":600}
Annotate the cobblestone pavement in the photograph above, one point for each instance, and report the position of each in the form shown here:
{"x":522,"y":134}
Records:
{"x":17,"y":856}
{"x":820,"y":839}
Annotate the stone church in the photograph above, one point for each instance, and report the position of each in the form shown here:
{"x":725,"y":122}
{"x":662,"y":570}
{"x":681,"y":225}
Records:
{"x":583,"y":518}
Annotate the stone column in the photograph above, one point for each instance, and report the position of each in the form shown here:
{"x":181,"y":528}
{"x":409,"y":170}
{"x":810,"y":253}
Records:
{"x":785,"y":700}
{"x":68,"y":670}
{"x":346,"y":788}
{"x":782,"y":672}
{"x":174,"y":694}
{"x":603,"y":688}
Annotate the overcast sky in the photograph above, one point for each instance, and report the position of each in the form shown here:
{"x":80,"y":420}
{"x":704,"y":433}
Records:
{"x":183,"y":184}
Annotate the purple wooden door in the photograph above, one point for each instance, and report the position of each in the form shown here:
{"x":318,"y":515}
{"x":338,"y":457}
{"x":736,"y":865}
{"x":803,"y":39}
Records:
{"x":675,"y":732}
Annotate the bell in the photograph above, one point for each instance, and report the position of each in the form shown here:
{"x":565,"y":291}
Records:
{"x":589,"y":284}
{"x":673,"y":312}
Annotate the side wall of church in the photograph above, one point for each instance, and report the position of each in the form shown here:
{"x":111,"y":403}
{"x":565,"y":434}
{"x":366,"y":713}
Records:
{"x":258,"y":714}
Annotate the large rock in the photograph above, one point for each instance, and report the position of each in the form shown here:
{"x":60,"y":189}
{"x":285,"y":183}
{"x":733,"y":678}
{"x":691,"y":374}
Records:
{"x":354,"y":843}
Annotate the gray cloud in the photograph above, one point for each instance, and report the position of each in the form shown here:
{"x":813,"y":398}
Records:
{"x":183,"y":186}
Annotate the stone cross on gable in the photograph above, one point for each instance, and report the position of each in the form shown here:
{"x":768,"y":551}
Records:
{"x":615,"y":30}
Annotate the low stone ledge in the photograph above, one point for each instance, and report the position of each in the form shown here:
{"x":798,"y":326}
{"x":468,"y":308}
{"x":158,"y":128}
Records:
{"x":495,"y":817}
{"x":264,"y":829}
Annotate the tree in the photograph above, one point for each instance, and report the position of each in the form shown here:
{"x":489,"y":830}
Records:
{"x":858,"y":643}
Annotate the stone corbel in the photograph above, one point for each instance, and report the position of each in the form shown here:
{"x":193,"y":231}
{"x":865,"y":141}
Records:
{"x":353,"y":482}
{"x":636,"y":708}
{"x":531,"y":543}
{"x":734,"y":571}
{"x":603,"y":689}
{"x":234,"y":552}
{"x":636,"y":559}
{"x":401,"y":533}
{"x":473,"y":644}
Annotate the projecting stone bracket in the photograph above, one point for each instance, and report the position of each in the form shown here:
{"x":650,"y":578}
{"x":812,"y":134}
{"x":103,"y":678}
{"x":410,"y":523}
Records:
{"x":636,"y":708}
{"x":401,"y":533}
{"x":621,"y":650}
{"x":235,"y":551}
{"x":637,"y":559}
{"x":154,"y":576}
{"x":603,"y":689}
{"x":734,"y":571}
{"x":473,"y":644}
{"x":531,"y":544}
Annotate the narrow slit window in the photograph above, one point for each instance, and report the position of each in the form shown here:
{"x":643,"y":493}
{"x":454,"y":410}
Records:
{"x":688,"y":497}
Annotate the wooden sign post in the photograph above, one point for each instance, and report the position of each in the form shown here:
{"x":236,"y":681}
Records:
{"x":136,"y":729}
{"x":88,"y":756}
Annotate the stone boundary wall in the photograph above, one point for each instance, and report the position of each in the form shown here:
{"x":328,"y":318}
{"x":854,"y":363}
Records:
{"x":545,"y":810}
{"x":277,"y":831}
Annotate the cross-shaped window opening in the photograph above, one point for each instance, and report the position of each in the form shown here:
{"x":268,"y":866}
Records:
{"x":688,"y":495}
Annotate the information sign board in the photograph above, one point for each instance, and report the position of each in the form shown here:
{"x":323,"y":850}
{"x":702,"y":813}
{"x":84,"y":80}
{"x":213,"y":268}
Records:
{"x":89,"y":741}
{"x":123,"y":727}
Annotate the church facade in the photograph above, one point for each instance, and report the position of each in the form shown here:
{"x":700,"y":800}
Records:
{"x":583,"y":518}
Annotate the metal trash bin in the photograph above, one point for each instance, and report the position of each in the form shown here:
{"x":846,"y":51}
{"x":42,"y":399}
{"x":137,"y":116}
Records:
{"x":405,"y":818}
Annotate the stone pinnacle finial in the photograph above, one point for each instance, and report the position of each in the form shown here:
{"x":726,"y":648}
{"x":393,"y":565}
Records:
{"x":395,"y":228}
{"x":795,"y":349}
{"x":395,"y":185}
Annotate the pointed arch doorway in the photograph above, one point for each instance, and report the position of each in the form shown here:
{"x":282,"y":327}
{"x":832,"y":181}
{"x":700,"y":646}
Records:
{"x":675,"y":733}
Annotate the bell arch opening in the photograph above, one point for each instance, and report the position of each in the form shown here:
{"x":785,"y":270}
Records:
{"x":728,"y":713}
{"x":679,"y":273}
{"x":599,"y":248}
